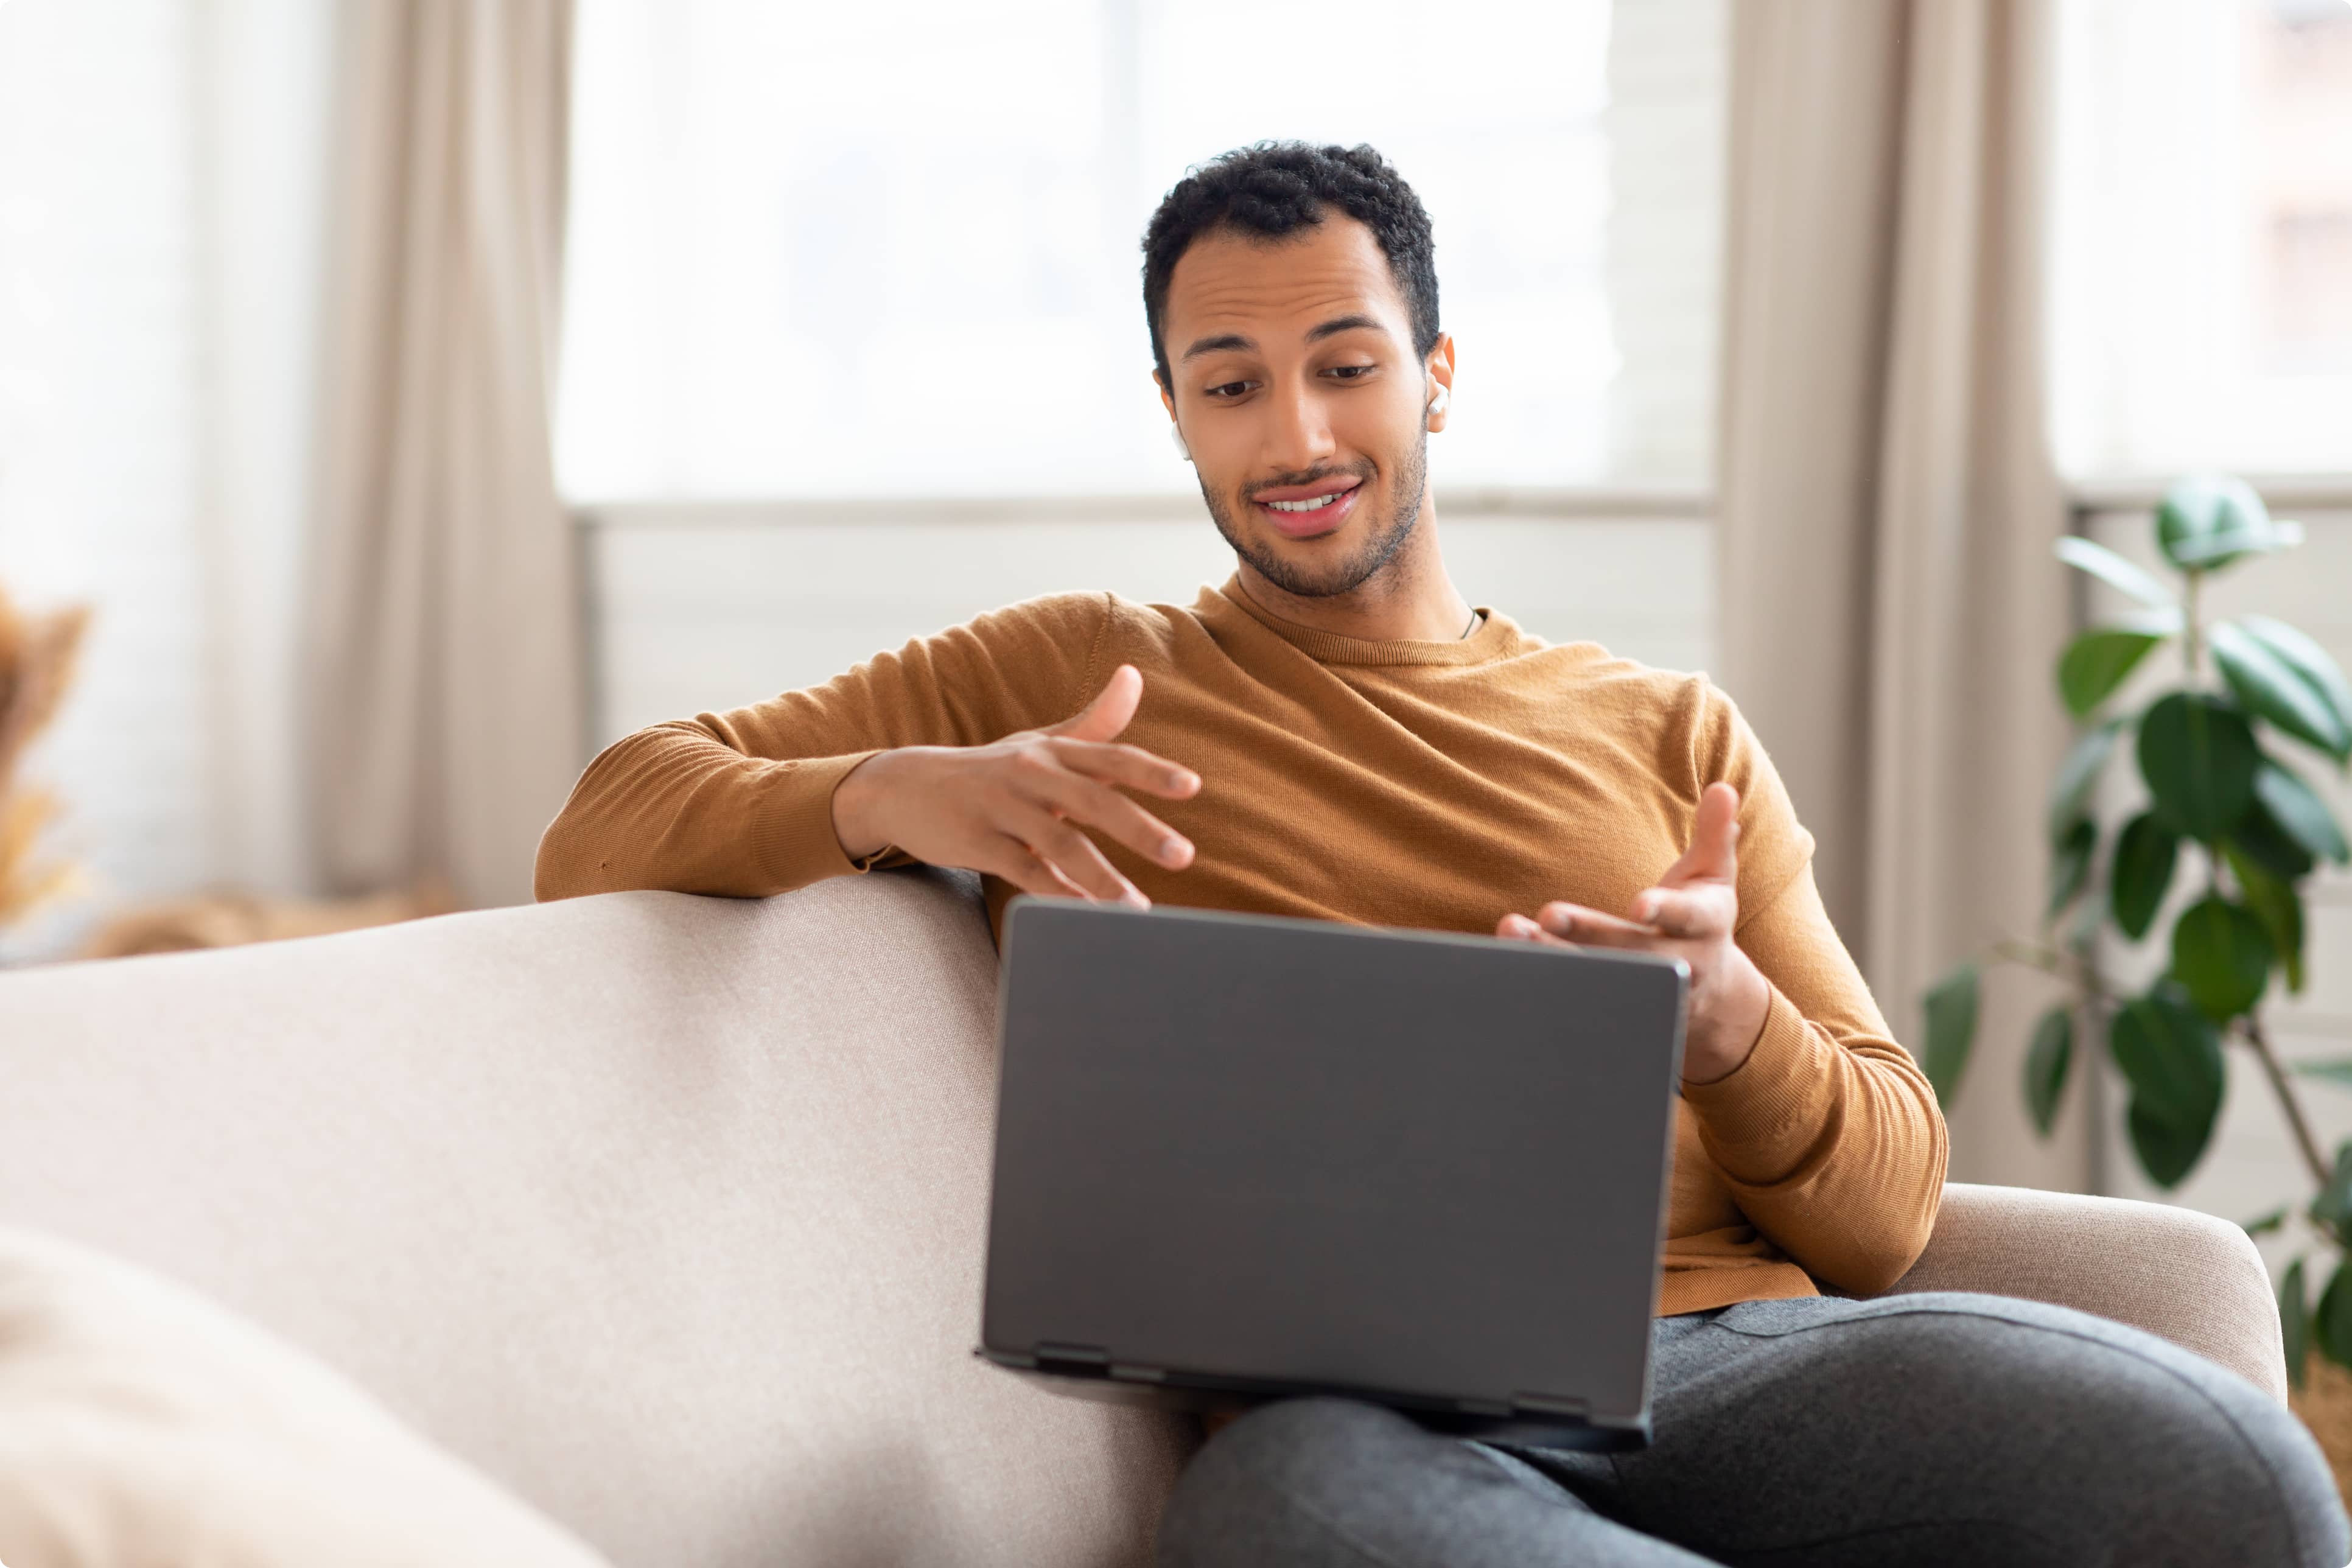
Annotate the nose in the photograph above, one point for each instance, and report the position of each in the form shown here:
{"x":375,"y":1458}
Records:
{"x":1299,"y":433}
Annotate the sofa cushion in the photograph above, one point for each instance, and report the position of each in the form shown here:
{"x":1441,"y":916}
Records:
{"x":142,"y":1425}
{"x":667,"y":1212}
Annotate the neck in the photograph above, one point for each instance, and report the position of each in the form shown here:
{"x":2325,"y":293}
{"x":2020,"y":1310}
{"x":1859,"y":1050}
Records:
{"x":1409,"y":599}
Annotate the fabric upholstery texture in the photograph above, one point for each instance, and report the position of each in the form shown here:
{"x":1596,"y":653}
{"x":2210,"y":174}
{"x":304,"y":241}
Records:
{"x":141,"y":1425}
{"x":668,"y":1213}
{"x":2182,"y":1275}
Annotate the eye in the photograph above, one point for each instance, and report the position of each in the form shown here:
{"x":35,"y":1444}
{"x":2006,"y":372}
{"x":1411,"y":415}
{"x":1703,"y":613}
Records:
{"x":1349,"y":371}
{"x":1229,"y":389}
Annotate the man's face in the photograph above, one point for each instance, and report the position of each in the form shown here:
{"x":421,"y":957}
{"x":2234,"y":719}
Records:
{"x":1296,"y":385}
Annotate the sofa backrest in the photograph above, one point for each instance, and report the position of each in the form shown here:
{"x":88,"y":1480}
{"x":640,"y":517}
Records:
{"x":667,"y":1211}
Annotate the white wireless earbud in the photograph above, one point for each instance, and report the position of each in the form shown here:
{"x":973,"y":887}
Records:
{"x":1438,"y":400}
{"x":1176,"y":434}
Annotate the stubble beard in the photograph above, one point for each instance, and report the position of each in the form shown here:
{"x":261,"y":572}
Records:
{"x":1348,"y":576}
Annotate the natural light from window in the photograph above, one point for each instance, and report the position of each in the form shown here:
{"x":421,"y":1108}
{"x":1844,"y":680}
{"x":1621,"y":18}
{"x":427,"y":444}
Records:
{"x":2204,"y":237}
{"x":892,"y":251}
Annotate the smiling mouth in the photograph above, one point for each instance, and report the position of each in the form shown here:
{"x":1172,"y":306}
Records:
{"x":1302,"y":511}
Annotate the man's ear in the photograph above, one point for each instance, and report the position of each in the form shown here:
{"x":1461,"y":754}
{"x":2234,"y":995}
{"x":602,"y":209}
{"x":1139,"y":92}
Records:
{"x":1167,"y":398}
{"x":1439,"y":368}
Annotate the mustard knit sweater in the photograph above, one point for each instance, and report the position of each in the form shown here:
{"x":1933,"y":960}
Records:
{"x":1434,"y":785}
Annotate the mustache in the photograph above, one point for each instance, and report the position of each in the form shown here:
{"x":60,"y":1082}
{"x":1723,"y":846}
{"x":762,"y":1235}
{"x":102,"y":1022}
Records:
{"x":1362,"y":471}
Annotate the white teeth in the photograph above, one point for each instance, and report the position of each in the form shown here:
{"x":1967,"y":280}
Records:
{"x":1315,"y":504}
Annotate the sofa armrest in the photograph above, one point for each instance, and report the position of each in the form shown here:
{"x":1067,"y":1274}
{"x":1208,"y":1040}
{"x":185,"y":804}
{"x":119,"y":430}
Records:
{"x":2180,"y":1274}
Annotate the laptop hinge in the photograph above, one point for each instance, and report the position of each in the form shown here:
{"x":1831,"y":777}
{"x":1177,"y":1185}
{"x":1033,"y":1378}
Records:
{"x":1552,"y":1405}
{"x":1082,"y":1361}
{"x":1091,"y":1361}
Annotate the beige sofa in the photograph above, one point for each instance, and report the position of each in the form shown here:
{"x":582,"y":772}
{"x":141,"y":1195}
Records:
{"x":667,"y":1213}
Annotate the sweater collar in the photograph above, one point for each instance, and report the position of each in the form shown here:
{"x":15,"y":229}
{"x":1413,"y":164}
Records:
{"x":1497,"y":637}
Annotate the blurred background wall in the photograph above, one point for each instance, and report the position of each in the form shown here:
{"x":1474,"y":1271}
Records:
{"x":161,"y":218}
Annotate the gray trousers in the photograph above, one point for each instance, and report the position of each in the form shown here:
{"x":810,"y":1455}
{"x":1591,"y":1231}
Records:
{"x":1912,"y":1430}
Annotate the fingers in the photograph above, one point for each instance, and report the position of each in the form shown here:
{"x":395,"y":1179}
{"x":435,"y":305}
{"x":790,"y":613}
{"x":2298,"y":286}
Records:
{"x":1518,"y":928}
{"x":1123,"y":818}
{"x":1521,"y":929}
{"x":1011,"y":860}
{"x":1130,"y":766}
{"x":1074,"y":856}
{"x":1715,"y":839}
{"x":1108,"y":713}
{"x":1583,"y":927}
{"x":1563,"y":919}
{"x":1097,"y":806}
{"x":1690,"y":913}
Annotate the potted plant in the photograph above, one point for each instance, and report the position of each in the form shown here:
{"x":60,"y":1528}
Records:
{"x":2221,"y":751}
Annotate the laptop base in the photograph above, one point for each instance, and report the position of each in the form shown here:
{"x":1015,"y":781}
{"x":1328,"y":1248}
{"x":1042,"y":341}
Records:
{"x":1200,"y":1394}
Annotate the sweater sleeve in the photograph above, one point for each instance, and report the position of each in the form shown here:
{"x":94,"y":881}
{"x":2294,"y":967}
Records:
{"x":1828,"y":1134}
{"x":741,"y":803}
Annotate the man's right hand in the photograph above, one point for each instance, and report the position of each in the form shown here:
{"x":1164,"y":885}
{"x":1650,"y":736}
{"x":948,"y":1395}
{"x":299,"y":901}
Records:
{"x":1014,"y":809}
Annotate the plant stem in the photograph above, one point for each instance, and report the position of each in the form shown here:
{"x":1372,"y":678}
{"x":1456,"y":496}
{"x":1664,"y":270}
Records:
{"x":2031,"y":954}
{"x":2251,"y":1029}
{"x":2072,"y":964}
{"x":2192,"y":645}
{"x":2096,"y":987}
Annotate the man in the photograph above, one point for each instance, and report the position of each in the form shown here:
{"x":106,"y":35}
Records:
{"x":1337,"y":733}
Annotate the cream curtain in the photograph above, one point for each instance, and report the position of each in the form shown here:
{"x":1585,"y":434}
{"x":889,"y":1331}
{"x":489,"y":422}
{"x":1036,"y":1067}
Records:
{"x":1890,"y":604}
{"x":445,"y":720}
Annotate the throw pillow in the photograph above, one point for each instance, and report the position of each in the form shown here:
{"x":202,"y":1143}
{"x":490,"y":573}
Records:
{"x":144,"y":1426}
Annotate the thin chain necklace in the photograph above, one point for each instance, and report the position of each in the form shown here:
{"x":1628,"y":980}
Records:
{"x":1468,"y":629}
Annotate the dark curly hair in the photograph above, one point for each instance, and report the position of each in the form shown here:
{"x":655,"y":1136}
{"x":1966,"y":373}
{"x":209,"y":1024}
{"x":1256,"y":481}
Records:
{"x":1275,"y":188}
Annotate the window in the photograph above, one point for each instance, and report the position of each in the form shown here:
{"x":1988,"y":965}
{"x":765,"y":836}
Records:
{"x":892,"y":250}
{"x":163,"y":180}
{"x":99,"y":424}
{"x":2204,"y":237}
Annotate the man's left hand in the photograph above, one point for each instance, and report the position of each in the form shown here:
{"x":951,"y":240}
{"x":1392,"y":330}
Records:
{"x":1689,"y":915}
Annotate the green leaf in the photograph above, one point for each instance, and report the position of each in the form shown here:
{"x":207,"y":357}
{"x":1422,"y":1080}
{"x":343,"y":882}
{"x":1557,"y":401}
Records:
{"x":2271,"y":688}
{"x":2312,"y":664}
{"x":2295,"y":1321}
{"x":2198,"y":756}
{"x":2069,"y":865}
{"x":2046,"y":1061}
{"x":2296,"y":807}
{"x":2265,"y":1223}
{"x":2263,"y":842}
{"x":2116,"y":573}
{"x":2168,"y":1153}
{"x":1951,"y":1029}
{"x":2098,"y":661}
{"x":2146,"y":852}
{"x":2078,"y":776}
{"x":2171,"y":1057}
{"x":2278,"y":906}
{"x":2333,"y":1207}
{"x":2206,"y":522}
{"x":2221,"y":956}
{"x":2339,"y":1071}
{"x":2332,"y":1324}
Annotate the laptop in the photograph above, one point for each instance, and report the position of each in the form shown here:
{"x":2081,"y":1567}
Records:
{"x":1241,"y":1157}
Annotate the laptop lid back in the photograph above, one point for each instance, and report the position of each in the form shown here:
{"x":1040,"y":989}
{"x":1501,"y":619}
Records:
{"x":1308,"y":1155}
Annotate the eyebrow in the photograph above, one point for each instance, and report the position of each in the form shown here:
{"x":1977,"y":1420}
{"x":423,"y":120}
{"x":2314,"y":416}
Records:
{"x":1337,"y":324}
{"x":1223,"y":342}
